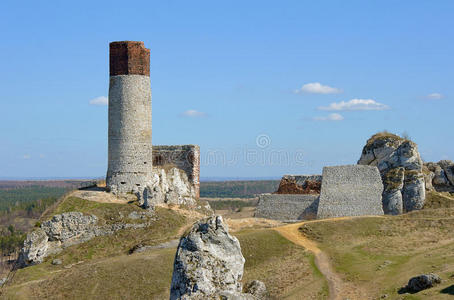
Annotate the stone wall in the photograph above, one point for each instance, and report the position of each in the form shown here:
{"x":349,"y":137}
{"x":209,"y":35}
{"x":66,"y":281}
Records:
{"x":354,"y":190}
{"x":300,"y":184}
{"x":183,"y":157}
{"x":287,"y":207}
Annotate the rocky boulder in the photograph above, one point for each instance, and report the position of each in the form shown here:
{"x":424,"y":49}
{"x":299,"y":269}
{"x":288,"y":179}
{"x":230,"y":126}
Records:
{"x":422,"y":282}
{"x":208,"y":263}
{"x":257,"y":289}
{"x":401,"y":169}
{"x":440,"y":176}
{"x":67,"y":226}
{"x":35,"y":248}
{"x":168,"y":185}
{"x":65,"y":230}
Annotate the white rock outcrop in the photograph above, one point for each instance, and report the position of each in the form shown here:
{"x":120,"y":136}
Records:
{"x":400,"y":166}
{"x":170,"y":186}
{"x":440,"y":176}
{"x":68,"y":229}
{"x":208,"y":264}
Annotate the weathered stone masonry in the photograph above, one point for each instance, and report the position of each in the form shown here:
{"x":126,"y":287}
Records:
{"x":345,"y":191}
{"x":167,"y":174}
{"x":129,"y":158}
{"x":287,"y":207}
{"x":183,"y":157}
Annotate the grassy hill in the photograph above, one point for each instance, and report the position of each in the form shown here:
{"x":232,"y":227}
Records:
{"x":380,"y":254}
{"x":102,"y":268}
{"x":376,"y":255}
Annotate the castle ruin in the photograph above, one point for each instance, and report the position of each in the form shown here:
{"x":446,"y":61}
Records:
{"x":166,"y":174}
{"x":340,"y":191}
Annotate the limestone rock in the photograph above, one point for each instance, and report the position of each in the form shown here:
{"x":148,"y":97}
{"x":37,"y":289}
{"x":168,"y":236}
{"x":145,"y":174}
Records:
{"x":171,"y":186}
{"x":257,"y":289}
{"x":401,"y":169}
{"x":441,"y":175}
{"x":448,"y":167}
{"x":66,"y":226}
{"x":422,"y":282}
{"x":428,"y":178}
{"x":69,"y":229}
{"x":208,"y":263}
{"x":35,"y":248}
{"x":392,"y":197}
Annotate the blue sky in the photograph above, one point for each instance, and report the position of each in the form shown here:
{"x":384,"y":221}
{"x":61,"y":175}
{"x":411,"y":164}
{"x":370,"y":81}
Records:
{"x":264,"y":87}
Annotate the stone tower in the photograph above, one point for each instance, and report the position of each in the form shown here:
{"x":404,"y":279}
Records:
{"x":130,"y":157}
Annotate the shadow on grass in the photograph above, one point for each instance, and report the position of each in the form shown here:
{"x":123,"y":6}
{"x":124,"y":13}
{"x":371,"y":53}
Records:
{"x":449,"y":290}
{"x":405,"y":290}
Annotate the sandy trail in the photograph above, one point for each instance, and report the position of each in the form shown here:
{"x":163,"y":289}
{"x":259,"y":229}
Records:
{"x":338,"y":289}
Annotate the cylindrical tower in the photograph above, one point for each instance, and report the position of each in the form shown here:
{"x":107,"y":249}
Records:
{"x":129,"y":158}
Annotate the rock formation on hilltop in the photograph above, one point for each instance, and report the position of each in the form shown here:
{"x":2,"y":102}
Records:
{"x":439,"y":176}
{"x":69,"y":229}
{"x":400,"y":166}
{"x":208,"y":264}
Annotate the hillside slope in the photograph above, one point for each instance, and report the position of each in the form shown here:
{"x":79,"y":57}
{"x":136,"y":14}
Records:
{"x":102,"y":268}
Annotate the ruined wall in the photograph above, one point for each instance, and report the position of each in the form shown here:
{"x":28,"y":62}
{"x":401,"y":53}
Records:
{"x":287,"y":207}
{"x":129,"y":151}
{"x":354,"y":190}
{"x":300,"y":184}
{"x":185,"y":159}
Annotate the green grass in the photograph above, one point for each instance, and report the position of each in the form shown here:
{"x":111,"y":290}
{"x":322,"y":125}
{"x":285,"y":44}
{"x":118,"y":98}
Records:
{"x":107,"y":272}
{"x":287,"y":270}
{"x":380,"y":254}
{"x":107,"y":213}
{"x":101,"y":268}
{"x":140,"y":276}
{"x":438,"y":200}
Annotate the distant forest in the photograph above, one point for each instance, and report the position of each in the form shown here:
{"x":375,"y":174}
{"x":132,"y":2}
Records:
{"x":237,"y":189}
{"x":29,"y":199}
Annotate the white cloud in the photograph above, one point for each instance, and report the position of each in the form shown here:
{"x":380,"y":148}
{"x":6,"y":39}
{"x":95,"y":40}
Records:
{"x":331,"y":117}
{"x":103,"y":100}
{"x":192,"y":113}
{"x":355,"y":104}
{"x":317,"y":88}
{"x":26,"y":156}
{"x":435,"y":96}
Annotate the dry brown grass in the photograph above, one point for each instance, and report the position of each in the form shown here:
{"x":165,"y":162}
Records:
{"x":380,"y":254}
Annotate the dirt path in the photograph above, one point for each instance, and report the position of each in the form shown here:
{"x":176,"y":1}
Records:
{"x":338,"y":289}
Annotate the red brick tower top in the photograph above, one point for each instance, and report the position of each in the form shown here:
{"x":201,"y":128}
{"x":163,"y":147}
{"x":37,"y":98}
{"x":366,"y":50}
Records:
{"x":129,"y":58}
